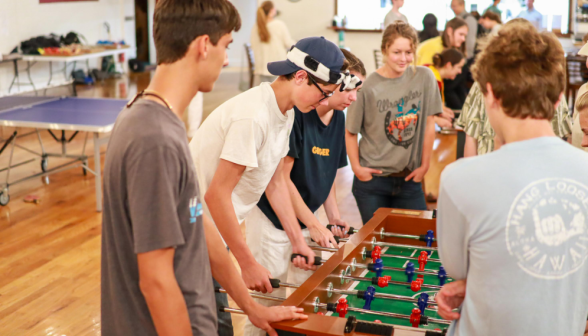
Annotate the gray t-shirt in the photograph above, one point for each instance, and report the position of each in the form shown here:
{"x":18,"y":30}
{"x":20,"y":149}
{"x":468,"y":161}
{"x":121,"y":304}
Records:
{"x":514,"y":222}
{"x":391,"y":17}
{"x":151,"y":202}
{"x":390,"y":114}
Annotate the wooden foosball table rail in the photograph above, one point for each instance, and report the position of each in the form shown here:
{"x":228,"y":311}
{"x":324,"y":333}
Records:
{"x":390,"y":220}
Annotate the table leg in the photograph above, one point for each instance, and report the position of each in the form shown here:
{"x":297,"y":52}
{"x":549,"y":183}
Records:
{"x":16,"y":77}
{"x":29,"y":65}
{"x":98,"y":172}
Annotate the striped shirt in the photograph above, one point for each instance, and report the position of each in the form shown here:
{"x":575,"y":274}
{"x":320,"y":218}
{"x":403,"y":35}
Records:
{"x":474,"y":120}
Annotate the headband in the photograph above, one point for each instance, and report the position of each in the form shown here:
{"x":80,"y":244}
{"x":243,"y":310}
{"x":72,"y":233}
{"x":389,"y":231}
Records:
{"x":317,"y":69}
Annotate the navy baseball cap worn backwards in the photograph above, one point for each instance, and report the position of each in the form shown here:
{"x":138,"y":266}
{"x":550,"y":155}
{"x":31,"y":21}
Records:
{"x":319,"y":57}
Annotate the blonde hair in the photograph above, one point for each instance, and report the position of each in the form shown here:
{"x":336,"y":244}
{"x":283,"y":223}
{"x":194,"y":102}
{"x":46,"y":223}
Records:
{"x":262,"y":13}
{"x":396,"y":30}
{"x":582,"y":103}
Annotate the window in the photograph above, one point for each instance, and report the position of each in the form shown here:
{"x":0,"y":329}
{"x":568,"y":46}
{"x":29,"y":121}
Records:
{"x":369,"y":14}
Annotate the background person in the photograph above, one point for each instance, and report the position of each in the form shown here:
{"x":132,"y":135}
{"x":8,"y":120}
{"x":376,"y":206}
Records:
{"x":429,"y":28}
{"x":454,"y":36}
{"x":394,"y":14}
{"x":491,"y":22}
{"x":532,"y":15}
{"x":494,"y":8}
{"x":270,"y":40}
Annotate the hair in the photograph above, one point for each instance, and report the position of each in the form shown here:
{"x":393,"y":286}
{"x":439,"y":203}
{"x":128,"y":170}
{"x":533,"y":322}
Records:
{"x":291,"y":76}
{"x":429,"y":28}
{"x":490,"y":15}
{"x":585,"y":39}
{"x":262,"y":13}
{"x":476,"y":15}
{"x":177,"y":23}
{"x":355,"y":64}
{"x":525,"y":68}
{"x":399,"y":29}
{"x":450,"y":55}
{"x":582,"y":103}
{"x":454,"y":24}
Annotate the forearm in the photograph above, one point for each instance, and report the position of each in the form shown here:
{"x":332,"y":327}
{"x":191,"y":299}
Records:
{"x":471,"y":147}
{"x":331,"y":207}
{"x":352,"y":149}
{"x":428,"y":142}
{"x":222,"y":211}
{"x":223,"y":269}
{"x":167,"y":307}
{"x":278,"y":194}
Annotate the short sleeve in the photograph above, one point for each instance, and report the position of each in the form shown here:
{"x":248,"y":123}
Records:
{"x":473,"y":108}
{"x":153,"y":187}
{"x":561,"y":122}
{"x":355,"y":113}
{"x":452,"y":233}
{"x":433,"y":103}
{"x":242,"y":140}
{"x":296,"y":137}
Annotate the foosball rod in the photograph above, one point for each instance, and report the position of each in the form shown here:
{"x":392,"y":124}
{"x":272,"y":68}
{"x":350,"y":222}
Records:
{"x":319,"y":261}
{"x":256,"y":295}
{"x":368,"y":254}
{"x":332,"y":308}
{"x":378,"y":243}
{"x":375,"y":281}
{"x":276,"y":283}
{"x":383,"y":233}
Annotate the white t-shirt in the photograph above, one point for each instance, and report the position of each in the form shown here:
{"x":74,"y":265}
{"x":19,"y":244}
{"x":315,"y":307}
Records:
{"x":272,"y":51}
{"x":249,"y":130}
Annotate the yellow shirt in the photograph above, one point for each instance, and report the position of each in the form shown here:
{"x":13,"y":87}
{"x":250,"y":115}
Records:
{"x":439,"y":80}
{"x":428,"y":49}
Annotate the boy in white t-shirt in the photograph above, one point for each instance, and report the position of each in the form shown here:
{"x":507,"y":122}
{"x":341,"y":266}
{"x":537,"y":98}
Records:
{"x":238,"y":151}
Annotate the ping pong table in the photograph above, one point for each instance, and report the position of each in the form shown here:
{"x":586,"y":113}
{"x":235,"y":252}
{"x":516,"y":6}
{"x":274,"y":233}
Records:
{"x":58,"y":114}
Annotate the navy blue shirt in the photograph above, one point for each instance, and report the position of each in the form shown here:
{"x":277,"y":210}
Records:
{"x":318,"y":151}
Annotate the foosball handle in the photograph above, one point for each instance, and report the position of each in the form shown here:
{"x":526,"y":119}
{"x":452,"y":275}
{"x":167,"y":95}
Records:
{"x":275,"y":283}
{"x":350,"y":232}
{"x":317,"y":259}
{"x":337,"y":238}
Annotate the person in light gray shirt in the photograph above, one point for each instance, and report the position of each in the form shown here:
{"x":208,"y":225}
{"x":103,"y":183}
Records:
{"x":459,"y":8}
{"x":512,"y":225}
{"x":394,"y":14}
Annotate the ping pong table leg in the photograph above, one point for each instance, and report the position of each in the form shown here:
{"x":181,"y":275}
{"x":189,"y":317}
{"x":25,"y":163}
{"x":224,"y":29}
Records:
{"x":98,"y":172}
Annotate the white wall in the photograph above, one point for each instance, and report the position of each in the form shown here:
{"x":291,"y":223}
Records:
{"x":23,"y":19}
{"x":247,"y":10}
{"x":313,"y":17}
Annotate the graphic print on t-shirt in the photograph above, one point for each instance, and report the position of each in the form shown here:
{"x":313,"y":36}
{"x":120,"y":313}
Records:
{"x":401,"y":127}
{"x":195,"y":209}
{"x":546,"y":228}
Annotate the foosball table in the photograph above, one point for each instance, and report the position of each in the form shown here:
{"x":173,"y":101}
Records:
{"x":382,"y":281}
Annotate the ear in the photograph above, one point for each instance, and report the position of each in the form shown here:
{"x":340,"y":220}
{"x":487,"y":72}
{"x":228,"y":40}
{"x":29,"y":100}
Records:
{"x":199,"y":48}
{"x":490,"y":96}
{"x":301,"y":77}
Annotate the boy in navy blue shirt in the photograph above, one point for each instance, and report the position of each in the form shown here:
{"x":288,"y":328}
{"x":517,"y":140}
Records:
{"x":317,"y":151}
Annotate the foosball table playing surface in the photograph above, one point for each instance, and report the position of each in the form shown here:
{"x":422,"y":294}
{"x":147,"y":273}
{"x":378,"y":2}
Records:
{"x":377,"y":283}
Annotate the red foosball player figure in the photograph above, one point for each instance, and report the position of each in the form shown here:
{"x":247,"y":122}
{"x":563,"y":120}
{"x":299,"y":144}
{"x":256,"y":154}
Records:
{"x":423,"y":260}
{"x":415,"y":317}
{"x":342,"y":307}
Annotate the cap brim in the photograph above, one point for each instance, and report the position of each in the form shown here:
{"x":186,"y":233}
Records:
{"x":282,"y":68}
{"x":584,"y":50}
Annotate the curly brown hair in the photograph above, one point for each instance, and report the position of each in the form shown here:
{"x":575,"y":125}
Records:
{"x":526,"y":70}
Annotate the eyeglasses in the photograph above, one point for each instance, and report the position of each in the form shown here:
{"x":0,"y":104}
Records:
{"x":325,"y":95}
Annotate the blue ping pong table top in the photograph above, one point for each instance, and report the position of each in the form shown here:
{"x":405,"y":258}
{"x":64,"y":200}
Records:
{"x":75,"y":114}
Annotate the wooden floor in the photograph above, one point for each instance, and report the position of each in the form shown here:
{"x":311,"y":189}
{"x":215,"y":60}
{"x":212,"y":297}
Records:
{"x":50,"y":252}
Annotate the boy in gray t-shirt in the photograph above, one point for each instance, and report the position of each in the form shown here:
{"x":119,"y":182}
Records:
{"x":512,"y":226}
{"x":156,"y":270}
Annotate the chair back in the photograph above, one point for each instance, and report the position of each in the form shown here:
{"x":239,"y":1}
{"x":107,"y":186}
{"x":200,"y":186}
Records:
{"x":378,"y":58}
{"x":250,"y":63}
